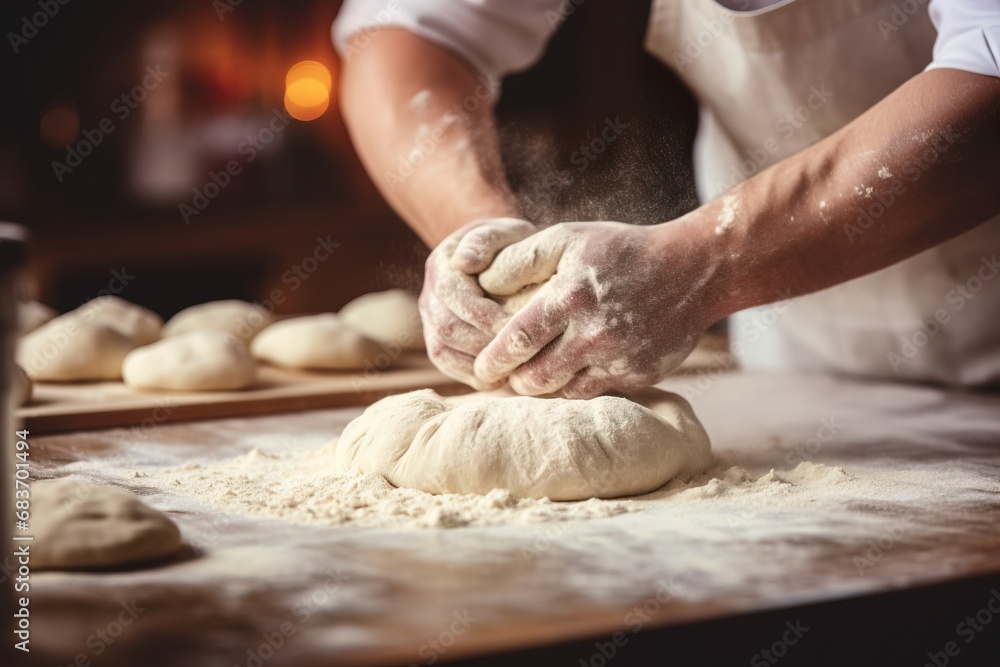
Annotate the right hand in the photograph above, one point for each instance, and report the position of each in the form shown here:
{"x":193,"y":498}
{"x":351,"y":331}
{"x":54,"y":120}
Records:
{"x":459,"y":319}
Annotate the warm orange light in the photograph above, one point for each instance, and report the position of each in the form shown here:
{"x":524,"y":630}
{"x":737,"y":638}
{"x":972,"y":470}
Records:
{"x":60,"y":126}
{"x":309,"y":69}
{"x":307,"y":90}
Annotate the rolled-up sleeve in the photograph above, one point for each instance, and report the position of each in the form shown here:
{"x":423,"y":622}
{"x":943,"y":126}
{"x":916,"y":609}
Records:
{"x":496,"y":37}
{"x":968,"y":35}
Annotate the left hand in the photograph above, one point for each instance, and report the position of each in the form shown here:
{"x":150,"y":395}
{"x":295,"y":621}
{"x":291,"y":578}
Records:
{"x":620,"y":307}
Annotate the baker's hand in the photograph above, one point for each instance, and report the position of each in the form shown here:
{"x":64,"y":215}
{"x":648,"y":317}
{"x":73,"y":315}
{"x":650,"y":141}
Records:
{"x":459,"y":320}
{"x":619,"y":308}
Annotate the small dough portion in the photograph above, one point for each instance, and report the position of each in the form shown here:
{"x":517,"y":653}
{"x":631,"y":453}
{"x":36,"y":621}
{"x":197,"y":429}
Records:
{"x":390,"y":317}
{"x":322,"y":342}
{"x":23,"y":386}
{"x":195,"y":361}
{"x":239,"y":318}
{"x":136,"y":322}
{"x":32,"y":314}
{"x":556,"y":448}
{"x":79,"y":525}
{"x":67,"y":349}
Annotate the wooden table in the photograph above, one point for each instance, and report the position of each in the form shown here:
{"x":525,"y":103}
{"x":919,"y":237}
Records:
{"x":663,"y":586}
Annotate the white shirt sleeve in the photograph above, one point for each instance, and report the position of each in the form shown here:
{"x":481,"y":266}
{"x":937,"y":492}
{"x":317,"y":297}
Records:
{"x":968,"y":35}
{"x":495,"y":36}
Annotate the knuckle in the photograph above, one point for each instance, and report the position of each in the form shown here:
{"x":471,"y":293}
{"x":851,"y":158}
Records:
{"x":519,"y":341}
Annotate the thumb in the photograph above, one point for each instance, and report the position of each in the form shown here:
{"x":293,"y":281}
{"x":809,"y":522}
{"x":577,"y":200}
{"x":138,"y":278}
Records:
{"x":476,"y":250}
{"x":528,"y":262}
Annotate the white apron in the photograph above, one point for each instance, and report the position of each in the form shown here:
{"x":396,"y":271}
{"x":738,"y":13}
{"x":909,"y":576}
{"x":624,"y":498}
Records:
{"x":933,"y":317}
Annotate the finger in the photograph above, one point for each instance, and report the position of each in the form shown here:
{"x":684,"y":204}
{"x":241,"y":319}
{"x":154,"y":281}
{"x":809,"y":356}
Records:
{"x":480,"y":245}
{"x":455,"y":333}
{"x":584,"y":385}
{"x":554,"y":367}
{"x":463,"y":296}
{"x":533,"y":260}
{"x":455,"y":364}
{"x":535,"y":326}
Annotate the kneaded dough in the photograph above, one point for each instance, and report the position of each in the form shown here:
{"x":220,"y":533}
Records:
{"x":134,"y":321}
{"x":195,"y":361}
{"x":81,"y":525}
{"x":556,"y":448}
{"x":23,"y":386}
{"x":68,"y":349}
{"x":390,"y":317}
{"x":316,"y":341}
{"x":239,"y":318}
{"x":32,"y":314}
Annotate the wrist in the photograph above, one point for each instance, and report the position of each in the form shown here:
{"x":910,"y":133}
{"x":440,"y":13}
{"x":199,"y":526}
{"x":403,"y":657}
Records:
{"x":710,"y":259}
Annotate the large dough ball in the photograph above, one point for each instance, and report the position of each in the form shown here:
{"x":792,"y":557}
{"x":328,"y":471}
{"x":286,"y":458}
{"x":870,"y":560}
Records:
{"x":195,"y":361}
{"x":32,"y":314}
{"x":315,"y":341}
{"x":69,"y":349}
{"x":239,"y":318}
{"x":388,"y":317}
{"x":80,"y":525}
{"x":555,"y":448}
{"x":23,"y":386}
{"x":138,"y":323}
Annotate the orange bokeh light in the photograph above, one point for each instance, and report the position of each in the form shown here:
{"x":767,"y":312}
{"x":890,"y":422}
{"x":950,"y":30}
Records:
{"x":307,"y":90}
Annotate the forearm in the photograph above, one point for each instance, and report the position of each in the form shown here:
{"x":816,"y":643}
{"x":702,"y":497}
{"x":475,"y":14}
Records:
{"x":917,"y":169}
{"x":422,"y":123}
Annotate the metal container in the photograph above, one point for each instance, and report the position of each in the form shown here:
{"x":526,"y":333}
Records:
{"x":13,"y":258}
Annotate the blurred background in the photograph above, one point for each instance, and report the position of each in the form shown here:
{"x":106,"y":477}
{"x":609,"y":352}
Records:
{"x":193,"y":150}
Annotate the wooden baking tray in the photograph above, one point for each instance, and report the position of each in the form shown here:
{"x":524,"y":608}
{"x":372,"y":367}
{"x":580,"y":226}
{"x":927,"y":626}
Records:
{"x":80,"y":405}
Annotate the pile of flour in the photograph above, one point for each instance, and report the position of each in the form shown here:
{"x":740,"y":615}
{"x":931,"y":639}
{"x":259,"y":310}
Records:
{"x":300,"y":487}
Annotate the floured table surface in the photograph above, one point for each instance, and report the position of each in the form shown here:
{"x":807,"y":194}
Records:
{"x":824,"y":489}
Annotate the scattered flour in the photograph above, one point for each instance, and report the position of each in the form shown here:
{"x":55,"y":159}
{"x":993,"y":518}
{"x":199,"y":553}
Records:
{"x":884,"y":173}
{"x":300,"y":487}
{"x":727,"y":216}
